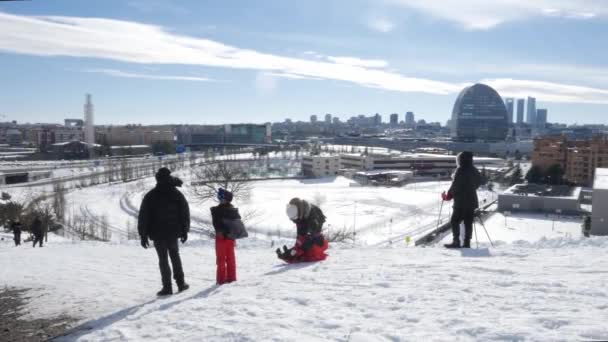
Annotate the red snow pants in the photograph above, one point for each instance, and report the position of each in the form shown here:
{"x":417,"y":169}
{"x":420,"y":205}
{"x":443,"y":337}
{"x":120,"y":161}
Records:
{"x":224,"y":258}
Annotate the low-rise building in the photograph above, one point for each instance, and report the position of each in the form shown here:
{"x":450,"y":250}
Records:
{"x":320,"y":165}
{"x":599,"y":214}
{"x":558,"y":199}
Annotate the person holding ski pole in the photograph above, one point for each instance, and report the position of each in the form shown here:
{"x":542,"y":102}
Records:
{"x":466,"y":181}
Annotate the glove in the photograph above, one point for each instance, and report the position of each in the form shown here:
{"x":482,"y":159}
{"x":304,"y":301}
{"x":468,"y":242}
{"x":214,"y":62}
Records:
{"x":144,"y":242}
{"x":446,"y":196}
{"x":184,"y":238}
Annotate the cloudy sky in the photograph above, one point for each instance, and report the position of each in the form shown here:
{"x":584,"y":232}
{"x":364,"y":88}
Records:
{"x":200,"y":61}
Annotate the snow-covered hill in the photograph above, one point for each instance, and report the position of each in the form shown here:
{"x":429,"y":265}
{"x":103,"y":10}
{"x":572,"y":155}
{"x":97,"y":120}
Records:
{"x":552,"y":289}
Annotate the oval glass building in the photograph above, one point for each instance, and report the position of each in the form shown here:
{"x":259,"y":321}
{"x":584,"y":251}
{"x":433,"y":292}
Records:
{"x":479,"y":114}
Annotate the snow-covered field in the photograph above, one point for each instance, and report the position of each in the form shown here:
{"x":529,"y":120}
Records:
{"x":374,"y":213}
{"x":554,"y":289}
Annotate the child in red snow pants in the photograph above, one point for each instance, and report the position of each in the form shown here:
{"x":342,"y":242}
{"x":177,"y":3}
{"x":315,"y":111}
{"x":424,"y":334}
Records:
{"x":224,"y":256}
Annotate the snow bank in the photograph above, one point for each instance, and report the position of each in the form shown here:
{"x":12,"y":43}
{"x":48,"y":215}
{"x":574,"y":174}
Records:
{"x":524,"y":291}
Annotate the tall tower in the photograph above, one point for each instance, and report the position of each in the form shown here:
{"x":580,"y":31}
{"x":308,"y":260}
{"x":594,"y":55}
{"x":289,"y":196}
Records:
{"x":89,"y":128}
{"x":509,"y":102}
{"x":520,"y":111}
{"x":531,"y":115}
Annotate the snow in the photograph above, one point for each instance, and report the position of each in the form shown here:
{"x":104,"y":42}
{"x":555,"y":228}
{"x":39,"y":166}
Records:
{"x":524,"y":227}
{"x":554,"y":289}
{"x":376,"y":214}
{"x":601,"y":179}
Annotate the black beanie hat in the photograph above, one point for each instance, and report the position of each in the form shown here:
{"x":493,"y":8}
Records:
{"x":163,"y":175}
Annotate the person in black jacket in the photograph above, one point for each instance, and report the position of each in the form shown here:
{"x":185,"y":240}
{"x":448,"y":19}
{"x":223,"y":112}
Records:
{"x":164,"y":217}
{"x":224,"y":242}
{"x":310,"y":243}
{"x":38,"y":231}
{"x":466,"y":181}
{"x":16,"y":227}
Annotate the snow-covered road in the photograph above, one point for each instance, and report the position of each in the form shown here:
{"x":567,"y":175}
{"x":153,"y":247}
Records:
{"x":548,"y":290}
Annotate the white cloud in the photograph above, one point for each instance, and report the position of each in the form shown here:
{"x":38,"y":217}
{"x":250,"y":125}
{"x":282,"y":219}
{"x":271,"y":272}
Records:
{"x":486,"y":14}
{"x":548,"y":91}
{"x":119,"y":73}
{"x":380,"y":24}
{"x":148,"y":44}
{"x":354,"y":61}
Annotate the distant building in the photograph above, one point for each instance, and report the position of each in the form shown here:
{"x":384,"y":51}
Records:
{"x":578,"y":158}
{"x":313,"y":119}
{"x":541,"y":118}
{"x":394,"y":119}
{"x":520,"y":111}
{"x":336,"y":120}
{"x":133,"y":135}
{"x":479,"y":114}
{"x":328,"y":119}
{"x":321,"y":165}
{"x":553,"y":199}
{"x":224,"y":134}
{"x":531,"y":111}
{"x":377,"y":120}
{"x":14,"y":137}
{"x":509,"y":103}
{"x":75,"y":150}
{"x":410,"y":120}
{"x":73,"y":122}
{"x":599,"y":214}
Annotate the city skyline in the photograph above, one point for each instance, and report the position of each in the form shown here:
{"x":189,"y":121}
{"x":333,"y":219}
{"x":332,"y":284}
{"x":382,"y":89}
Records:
{"x":202,"y":62}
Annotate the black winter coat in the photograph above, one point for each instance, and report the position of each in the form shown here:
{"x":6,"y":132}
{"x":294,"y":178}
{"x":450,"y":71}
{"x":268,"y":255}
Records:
{"x":220,"y":212}
{"x":37,"y":228}
{"x":164,"y":214}
{"x":467,"y":180}
{"x":312,"y":223}
{"x":16,"y":227}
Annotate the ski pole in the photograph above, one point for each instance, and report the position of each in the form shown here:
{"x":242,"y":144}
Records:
{"x":475,"y":231}
{"x":487,"y":234}
{"x":440,"y":210}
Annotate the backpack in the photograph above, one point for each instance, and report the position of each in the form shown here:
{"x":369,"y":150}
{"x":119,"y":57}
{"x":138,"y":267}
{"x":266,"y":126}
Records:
{"x":236,"y":228}
{"x":316,"y":219}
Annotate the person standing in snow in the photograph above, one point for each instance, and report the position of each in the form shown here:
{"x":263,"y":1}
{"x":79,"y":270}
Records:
{"x":17,"y":228}
{"x":310,"y":243}
{"x":164,"y":217}
{"x":587,"y":226}
{"x":227,"y":224}
{"x":38,"y":231}
{"x":463,"y":191}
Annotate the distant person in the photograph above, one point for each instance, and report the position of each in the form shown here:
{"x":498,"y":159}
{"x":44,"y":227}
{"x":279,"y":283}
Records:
{"x":38,"y":231}
{"x":310,"y":243}
{"x":587,"y":226}
{"x":16,"y":227}
{"x":228,"y":227}
{"x":164,"y":217}
{"x":466,"y":181}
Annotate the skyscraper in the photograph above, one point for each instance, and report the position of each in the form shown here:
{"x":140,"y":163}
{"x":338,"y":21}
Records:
{"x":328,"y":118}
{"x":479,"y":114}
{"x":541,"y":117}
{"x":313,"y":119}
{"x":520,"y":111}
{"x":531,"y":113}
{"x":394,"y":119}
{"x":377,"y":119}
{"x":410,"y":120}
{"x":509,"y":103}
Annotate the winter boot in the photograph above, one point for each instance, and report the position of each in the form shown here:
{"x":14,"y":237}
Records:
{"x":182,"y":287}
{"x":467,"y":244}
{"x":454,"y":244}
{"x":165,"y":291}
{"x":279,"y":254}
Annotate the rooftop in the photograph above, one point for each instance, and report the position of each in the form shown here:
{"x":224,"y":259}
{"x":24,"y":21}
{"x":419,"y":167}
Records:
{"x":601,"y":179}
{"x":540,"y":190}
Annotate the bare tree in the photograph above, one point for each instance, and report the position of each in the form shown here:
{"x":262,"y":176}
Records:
{"x":209,"y":178}
{"x":59,"y":200}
